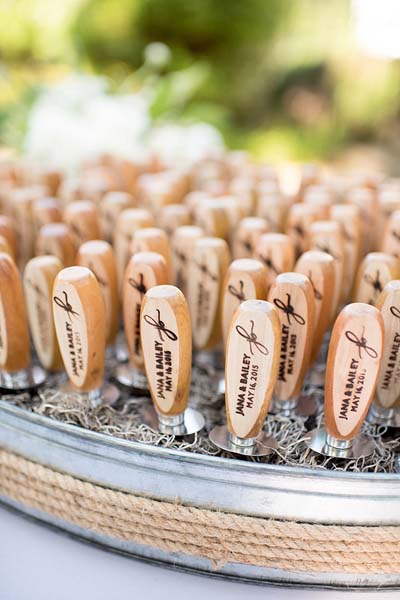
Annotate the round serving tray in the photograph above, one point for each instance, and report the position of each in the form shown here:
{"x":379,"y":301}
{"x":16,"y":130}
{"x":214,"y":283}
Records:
{"x":214,"y":483}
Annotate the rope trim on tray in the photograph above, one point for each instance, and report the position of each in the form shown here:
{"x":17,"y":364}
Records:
{"x":220,"y":537}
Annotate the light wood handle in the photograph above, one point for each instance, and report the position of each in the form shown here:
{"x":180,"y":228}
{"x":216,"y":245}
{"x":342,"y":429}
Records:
{"x":173,"y":216}
{"x":182,"y":245}
{"x":56,"y":239}
{"x":310,"y":175}
{"x":83,"y":221}
{"x":44,"y":211}
{"x":354,"y":358}
{"x":320,"y":198}
{"x":152,"y":239}
{"x":98,"y":256}
{"x":273,"y":209}
{"x":14,"y":328}
{"x":251,"y":366}
{"x":22,"y":215}
{"x":212,"y":217}
{"x":348,"y":216}
{"x":375,"y":271}
{"x":387,"y":393}
{"x":245,"y":279}
{"x":209,"y":263}
{"x":276,"y":252}
{"x":247,"y":235}
{"x":319,"y":267}
{"x":129,"y":221}
{"x":39,"y":276}
{"x":7,"y":230}
{"x":111,"y":205}
{"x":327,"y":236}
{"x":5,"y":247}
{"x":144,"y":271}
{"x":293,"y":296}
{"x":79,"y":317}
{"x":167,"y":347}
{"x":391,"y":237}
{"x":366,"y":200}
{"x":300,"y":218}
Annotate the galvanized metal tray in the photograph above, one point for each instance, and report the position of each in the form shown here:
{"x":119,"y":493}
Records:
{"x":264,"y":490}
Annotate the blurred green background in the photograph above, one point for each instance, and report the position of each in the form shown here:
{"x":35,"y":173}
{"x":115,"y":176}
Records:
{"x":281,"y":78}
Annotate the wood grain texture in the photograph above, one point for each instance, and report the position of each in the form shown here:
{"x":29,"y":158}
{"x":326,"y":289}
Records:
{"x":79,"y":317}
{"x":39,"y":275}
{"x":129,"y":221}
{"x":83,"y":221}
{"x":56,"y":239}
{"x":320,"y":269}
{"x":98,"y":256}
{"x":354,"y":358}
{"x":144,"y":271}
{"x":153,"y":239}
{"x":167,"y":348}
{"x":246,"y":279}
{"x":276,"y":252}
{"x":247,"y":235}
{"x":251,"y":367}
{"x":349,"y":218}
{"x":375,"y":271}
{"x":387,"y":393}
{"x":207,"y":268}
{"x":292,"y":294}
{"x":14,"y":328}
{"x":327,"y":236}
{"x":182,"y":246}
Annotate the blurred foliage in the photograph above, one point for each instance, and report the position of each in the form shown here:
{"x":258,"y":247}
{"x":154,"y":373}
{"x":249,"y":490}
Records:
{"x":280,"y":77}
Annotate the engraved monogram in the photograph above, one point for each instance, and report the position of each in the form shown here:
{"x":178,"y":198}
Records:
{"x":361,"y":343}
{"x":160,"y":326}
{"x":395,"y":311}
{"x":289,"y":310}
{"x":66,"y":305}
{"x":251,"y":338}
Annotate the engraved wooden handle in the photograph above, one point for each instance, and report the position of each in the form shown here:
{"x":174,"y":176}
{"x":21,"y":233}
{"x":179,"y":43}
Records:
{"x":39,"y":276}
{"x":208,"y":265}
{"x":98,"y":256}
{"x":14,"y":328}
{"x":182,"y":245}
{"x":391,"y":238}
{"x":245,"y":279}
{"x":320,"y":269}
{"x":56,"y":239}
{"x":83,"y":220}
{"x":79,"y":317}
{"x":375,"y":271}
{"x":354,"y":358}
{"x":293,"y":296}
{"x":212,"y":217}
{"x":167,"y":347}
{"x":173,"y":216}
{"x":44,"y":211}
{"x":348,"y":216}
{"x":111,"y":205}
{"x":246,"y":236}
{"x":153,"y":239}
{"x":300,"y":218}
{"x":251,"y":366}
{"x":276,"y":252}
{"x":144,"y":271}
{"x":387,"y":393}
{"x":7,"y":231}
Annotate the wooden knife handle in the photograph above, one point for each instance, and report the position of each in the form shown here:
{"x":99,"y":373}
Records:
{"x":7,"y":230}
{"x":173,"y":216}
{"x":182,"y":245}
{"x":245,"y":279}
{"x":247,"y":235}
{"x":375,"y":271}
{"x":98,"y":256}
{"x":39,"y":276}
{"x":111,"y":205}
{"x":209,"y":263}
{"x":167,"y":347}
{"x":144,"y":271}
{"x":251,"y":366}
{"x":387,"y":393}
{"x":14,"y":328}
{"x":276,"y":252}
{"x":56,"y":239}
{"x":348,"y":216}
{"x":292,"y":294}
{"x":153,"y":239}
{"x":320,"y":269}
{"x":79,"y":317}
{"x":354,"y":358}
{"x":83,"y":220}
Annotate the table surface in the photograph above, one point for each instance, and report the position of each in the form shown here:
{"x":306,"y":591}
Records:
{"x":37,"y":563}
